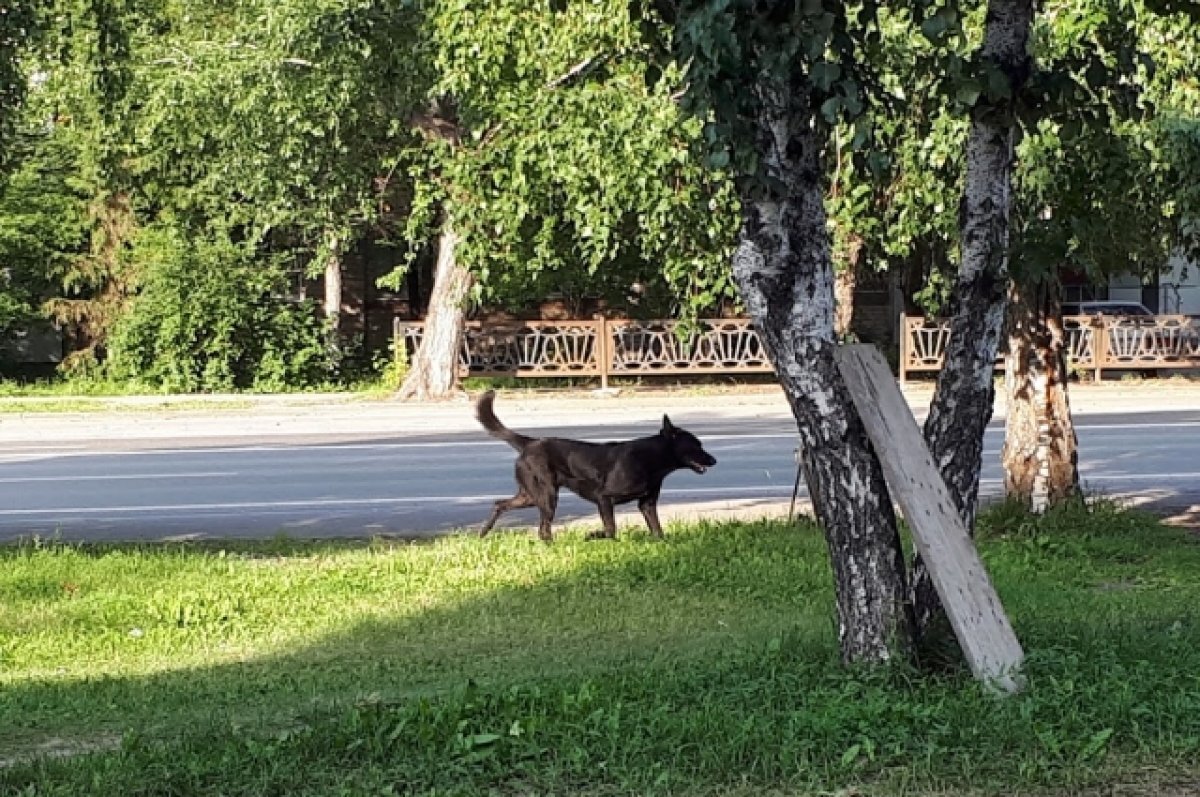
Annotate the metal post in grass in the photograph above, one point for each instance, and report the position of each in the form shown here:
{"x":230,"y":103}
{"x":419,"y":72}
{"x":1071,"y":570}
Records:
{"x":941,"y":537}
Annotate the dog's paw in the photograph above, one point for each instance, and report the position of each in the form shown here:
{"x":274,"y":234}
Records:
{"x":600,"y":535}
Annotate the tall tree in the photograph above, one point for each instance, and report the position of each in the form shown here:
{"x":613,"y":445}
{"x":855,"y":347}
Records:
{"x":20,"y":27}
{"x":774,"y":77}
{"x":278,"y":119}
{"x":1096,"y":185}
{"x":1101,"y":192}
{"x":963,"y":401}
{"x":77,"y":60}
{"x":43,"y":225}
{"x":433,"y":374}
{"x":556,"y":155}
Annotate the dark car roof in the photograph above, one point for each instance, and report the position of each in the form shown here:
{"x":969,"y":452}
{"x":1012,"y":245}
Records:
{"x":1122,"y":308}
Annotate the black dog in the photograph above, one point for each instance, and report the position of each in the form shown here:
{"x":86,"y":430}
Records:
{"x":603,"y":473}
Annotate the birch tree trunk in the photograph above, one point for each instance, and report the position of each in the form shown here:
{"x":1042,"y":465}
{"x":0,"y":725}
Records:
{"x":333,"y":297}
{"x":433,"y":375}
{"x":784,"y":269}
{"x":962,"y":403}
{"x":1041,"y":460}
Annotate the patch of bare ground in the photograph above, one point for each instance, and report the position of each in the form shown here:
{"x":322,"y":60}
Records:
{"x":58,"y":747}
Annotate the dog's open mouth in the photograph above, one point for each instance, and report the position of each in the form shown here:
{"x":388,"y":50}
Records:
{"x":696,"y":466}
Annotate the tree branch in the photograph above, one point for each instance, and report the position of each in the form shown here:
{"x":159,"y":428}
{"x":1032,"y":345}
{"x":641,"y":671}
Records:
{"x":574,"y":71}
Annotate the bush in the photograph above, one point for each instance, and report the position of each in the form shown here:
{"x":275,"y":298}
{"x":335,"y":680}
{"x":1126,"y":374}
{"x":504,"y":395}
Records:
{"x":211,"y":315}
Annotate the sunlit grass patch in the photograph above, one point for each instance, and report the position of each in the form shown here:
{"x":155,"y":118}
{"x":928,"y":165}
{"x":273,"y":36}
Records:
{"x":698,"y":665}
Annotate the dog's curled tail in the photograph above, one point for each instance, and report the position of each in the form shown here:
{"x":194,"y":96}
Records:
{"x":487,"y":416}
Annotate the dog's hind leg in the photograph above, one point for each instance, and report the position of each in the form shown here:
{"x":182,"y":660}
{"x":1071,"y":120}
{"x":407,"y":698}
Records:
{"x":535,"y":476}
{"x":518,"y":501}
{"x":547,"y":505}
{"x":527,"y":489}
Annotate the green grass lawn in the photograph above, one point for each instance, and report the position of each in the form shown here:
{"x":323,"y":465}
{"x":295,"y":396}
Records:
{"x":703,"y":665}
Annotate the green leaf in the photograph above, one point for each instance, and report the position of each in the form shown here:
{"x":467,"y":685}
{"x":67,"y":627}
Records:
{"x":934,"y":28}
{"x":830,"y":109}
{"x":998,"y":86}
{"x":719,"y":159}
{"x":1096,"y":744}
{"x":824,"y":74}
{"x":968,"y":93}
{"x":483,"y":739}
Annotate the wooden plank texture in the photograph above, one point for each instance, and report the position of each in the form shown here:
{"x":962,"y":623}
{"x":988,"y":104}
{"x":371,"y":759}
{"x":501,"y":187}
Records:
{"x":941,"y":537}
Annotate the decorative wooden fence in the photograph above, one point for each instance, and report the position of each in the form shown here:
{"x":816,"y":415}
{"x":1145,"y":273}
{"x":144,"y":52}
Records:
{"x":602,"y":348}
{"x":1094,"y":343}
{"x":605,"y":348}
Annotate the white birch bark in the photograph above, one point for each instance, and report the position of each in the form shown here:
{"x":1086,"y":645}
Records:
{"x":962,"y":404}
{"x":784,"y":269}
{"x":332,"y":303}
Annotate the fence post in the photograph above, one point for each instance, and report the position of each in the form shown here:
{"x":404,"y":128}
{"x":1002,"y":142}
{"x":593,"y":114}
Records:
{"x":1099,"y":346}
{"x":601,"y":349}
{"x":901,"y":368}
{"x":398,"y":326}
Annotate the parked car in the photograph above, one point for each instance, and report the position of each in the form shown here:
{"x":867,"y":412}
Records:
{"x":1106,"y":308}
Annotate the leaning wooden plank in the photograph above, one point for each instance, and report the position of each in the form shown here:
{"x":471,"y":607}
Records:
{"x":967,"y":594}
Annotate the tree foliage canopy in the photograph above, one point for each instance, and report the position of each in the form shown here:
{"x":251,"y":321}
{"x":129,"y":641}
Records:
{"x":574,"y":152}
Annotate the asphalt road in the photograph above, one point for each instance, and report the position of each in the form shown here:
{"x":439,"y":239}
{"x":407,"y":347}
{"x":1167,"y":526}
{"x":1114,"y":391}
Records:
{"x":421,"y":485}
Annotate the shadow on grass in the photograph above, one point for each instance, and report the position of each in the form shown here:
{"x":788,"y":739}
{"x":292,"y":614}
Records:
{"x":705,"y":663}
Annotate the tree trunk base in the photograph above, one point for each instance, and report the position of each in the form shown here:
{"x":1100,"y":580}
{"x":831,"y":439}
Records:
{"x":413,"y":392}
{"x":434,"y":372}
{"x":1040,"y":456}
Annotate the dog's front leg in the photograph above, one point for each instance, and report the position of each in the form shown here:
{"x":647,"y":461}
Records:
{"x":649,"y":506}
{"x":605,"y":506}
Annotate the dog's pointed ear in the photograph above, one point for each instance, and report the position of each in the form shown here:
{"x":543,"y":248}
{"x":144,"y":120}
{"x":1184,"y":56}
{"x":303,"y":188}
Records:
{"x":667,"y":428}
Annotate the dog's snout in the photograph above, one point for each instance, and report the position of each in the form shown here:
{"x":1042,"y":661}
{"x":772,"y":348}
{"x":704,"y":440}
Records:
{"x":702,"y":461}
